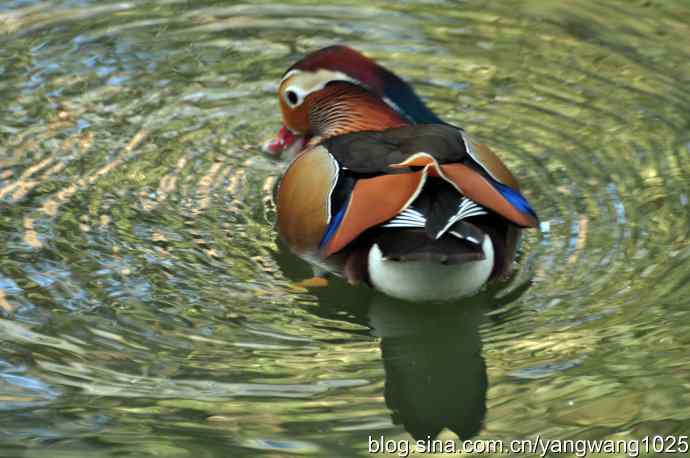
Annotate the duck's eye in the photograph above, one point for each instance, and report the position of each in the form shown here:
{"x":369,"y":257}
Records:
{"x":291,"y":97}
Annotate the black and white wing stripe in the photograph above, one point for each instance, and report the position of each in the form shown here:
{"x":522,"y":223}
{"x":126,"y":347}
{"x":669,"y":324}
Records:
{"x":413,"y":218}
{"x":407,"y":218}
{"x":466,"y":209}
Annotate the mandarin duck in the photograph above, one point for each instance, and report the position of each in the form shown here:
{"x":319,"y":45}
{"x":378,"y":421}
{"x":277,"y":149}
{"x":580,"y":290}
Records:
{"x":382,"y":191}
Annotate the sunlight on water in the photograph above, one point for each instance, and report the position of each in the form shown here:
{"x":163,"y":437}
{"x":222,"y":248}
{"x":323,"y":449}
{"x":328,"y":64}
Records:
{"x":148,"y":309}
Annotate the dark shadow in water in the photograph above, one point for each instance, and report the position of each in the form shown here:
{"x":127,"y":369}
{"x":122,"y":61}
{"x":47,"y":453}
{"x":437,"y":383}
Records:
{"x":435,"y":372}
{"x":432,"y":353}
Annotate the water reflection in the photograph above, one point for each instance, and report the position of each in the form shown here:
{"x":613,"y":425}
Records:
{"x":435,"y":373}
{"x":146,"y":314}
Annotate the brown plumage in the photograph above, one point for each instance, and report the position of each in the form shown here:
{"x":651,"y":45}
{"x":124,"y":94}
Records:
{"x":380,"y":173}
{"x":341,"y":108}
{"x":420,"y":193}
{"x":304,"y":210}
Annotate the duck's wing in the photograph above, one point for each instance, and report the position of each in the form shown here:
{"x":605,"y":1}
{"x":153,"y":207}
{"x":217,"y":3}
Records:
{"x":392,"y":167}
{"x":374,"y":152}
{"x":334,"y":192}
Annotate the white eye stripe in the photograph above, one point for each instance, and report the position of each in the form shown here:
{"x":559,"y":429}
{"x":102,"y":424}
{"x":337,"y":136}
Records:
{"x":303,"y":83}
{"x":289,"y":74}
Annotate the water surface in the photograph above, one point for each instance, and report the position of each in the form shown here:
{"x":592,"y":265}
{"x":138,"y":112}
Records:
{"x":148,"y":308}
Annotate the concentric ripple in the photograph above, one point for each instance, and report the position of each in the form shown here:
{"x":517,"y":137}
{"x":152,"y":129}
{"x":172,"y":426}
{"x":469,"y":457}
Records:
{"x":149,"y":309}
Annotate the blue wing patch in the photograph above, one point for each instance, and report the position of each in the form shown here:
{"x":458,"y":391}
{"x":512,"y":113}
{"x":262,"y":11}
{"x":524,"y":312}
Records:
{"x":333,"y":226}
{"x":516,"y":199}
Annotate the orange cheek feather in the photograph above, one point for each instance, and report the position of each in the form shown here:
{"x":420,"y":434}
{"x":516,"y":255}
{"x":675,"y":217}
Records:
{"x":296,"y":119}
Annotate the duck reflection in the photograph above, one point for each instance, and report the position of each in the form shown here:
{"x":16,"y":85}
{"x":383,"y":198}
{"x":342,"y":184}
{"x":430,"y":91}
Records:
{"x":435,"y":373}
{"x":432,"y":353}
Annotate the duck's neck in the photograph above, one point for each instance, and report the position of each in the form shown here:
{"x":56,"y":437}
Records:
{"x":343,"y":107}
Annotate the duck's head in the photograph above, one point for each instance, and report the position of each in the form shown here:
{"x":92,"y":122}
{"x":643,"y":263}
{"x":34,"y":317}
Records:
{"x":298,"y":92}
{"x":310,"y":82}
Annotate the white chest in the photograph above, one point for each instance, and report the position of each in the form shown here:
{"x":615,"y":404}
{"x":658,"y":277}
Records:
{"x":425,"y":281}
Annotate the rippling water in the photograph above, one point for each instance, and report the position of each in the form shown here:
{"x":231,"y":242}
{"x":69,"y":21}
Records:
{"x":149,"y":310}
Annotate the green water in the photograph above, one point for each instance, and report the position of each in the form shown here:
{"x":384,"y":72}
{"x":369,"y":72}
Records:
{"x":149,"y":310}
